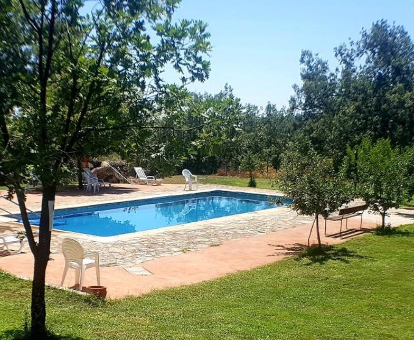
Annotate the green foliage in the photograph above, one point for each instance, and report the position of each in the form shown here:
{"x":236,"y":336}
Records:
{"x":409,"y":154}
{"x":386,"y":230}
{"x":249,"y":162}
{"x":276,"y":161}
{"x":85,"y":92}
{"x":163,"y":145}
{"x":380,"y":174}
{"x":252,"y":182}
{"x":217,"y":141}
{"x":312,"y":183}
{"x":207,"y":132}
{"x":75,"y":83}
{"x":371,"y":94}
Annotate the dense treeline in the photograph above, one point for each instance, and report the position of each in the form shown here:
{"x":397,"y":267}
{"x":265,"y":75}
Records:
{"x":370,"y":94}
{"x":211,"y":132}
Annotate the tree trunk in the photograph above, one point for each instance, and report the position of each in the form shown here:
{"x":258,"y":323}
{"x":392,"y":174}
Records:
{"x":383,"y":219}
{"x":317,"y":231}
{"x":80,"y":170}
{"x":38,"y":308}
{"x":41,"y":258}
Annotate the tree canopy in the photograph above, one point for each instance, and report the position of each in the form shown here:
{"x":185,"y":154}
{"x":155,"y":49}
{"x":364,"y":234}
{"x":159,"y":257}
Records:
{"x":73,"y":81}
{"x":312,"y":183}
{"x":381,"y":174}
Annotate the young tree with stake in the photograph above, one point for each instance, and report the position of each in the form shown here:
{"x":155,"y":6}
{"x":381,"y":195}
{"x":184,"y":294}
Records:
{"x":312,"y":183}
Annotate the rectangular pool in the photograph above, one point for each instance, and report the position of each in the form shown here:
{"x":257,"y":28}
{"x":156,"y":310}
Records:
{"x":146,"y":214}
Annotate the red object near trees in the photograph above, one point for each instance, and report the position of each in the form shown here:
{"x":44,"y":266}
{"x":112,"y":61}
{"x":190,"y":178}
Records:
{"x":85,"y":162}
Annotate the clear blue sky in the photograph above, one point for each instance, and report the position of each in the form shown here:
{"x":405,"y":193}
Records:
{"x":257,"y":44}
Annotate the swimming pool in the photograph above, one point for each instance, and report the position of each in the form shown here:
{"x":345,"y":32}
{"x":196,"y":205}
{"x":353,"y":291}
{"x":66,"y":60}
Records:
{"x":146,"y":214}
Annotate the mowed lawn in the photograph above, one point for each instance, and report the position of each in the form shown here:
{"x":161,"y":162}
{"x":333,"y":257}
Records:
{"x":364,"y":289}
{"x":262,"y":183}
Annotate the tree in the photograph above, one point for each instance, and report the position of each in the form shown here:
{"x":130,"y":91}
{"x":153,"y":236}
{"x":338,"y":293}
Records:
{"x":316,"y":97}
{"x":409,"y":154}
{"x":277,"y":128}
{"x":370,"y":94}
{"x":311,"y":182}
{"x":72,"y":80}
{"x":216,"y":142}
{"x":162,"y":150}
{"x":381,"y":174}
{"x":249,"y":163}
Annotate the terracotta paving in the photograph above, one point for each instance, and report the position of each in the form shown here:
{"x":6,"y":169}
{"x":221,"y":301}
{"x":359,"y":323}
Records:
{"x":235,"y":251}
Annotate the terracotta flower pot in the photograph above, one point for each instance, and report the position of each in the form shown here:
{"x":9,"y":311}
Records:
{"x":99,"y":291}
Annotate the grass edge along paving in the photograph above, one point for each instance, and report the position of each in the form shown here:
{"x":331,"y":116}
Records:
{"x":362,"y":289}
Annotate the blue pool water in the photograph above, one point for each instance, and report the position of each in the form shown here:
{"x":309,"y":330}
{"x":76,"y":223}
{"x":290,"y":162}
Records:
{"x":132,"y":216}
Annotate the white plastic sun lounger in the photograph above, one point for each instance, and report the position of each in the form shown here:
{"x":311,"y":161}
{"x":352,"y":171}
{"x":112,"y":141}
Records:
{"x":6,"y":241}
{"x":142,"y":177}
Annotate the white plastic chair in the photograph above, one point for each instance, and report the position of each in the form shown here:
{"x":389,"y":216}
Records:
{"x":91,"y":182}
{"x":190,"y":179}
{"x":6,"y":241}
{"x":140,"y":174}
{"x":76,"y":258}
{"x":95,"y":178}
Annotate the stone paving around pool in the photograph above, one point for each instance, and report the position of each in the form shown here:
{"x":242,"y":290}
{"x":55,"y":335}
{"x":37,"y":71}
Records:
{"x":132,"y":249}
{"x":138,"y":263}
{"x":190,"y":237}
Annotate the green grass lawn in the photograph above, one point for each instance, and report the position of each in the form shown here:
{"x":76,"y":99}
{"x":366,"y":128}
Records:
{"x":262,"y":183}
{"x":363,"y":291}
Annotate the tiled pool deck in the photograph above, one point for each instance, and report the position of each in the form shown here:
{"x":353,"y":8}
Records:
{"x":134,"y":248}
{"x":212,"y":242}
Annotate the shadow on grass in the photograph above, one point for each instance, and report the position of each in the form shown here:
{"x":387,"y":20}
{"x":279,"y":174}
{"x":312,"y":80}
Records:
{"x":18,"y":334}
{"x":326,"y":253}
{"x":389,"y":231}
